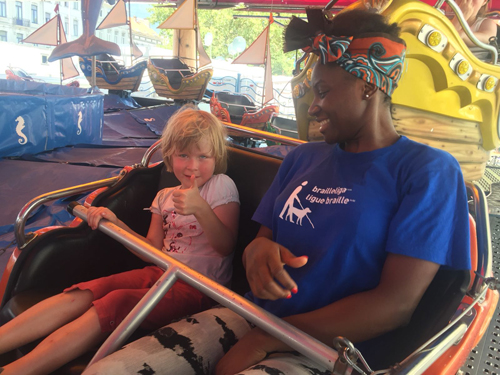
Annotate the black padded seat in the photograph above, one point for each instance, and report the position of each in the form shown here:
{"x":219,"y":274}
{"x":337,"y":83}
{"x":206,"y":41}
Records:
{"x":59,"y":258}
{"x":438,"y":304}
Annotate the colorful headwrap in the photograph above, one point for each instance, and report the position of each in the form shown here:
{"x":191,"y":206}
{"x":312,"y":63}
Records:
{"x":374,"y":57}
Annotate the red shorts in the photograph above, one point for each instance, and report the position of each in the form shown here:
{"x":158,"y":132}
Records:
{"x":116,"y":295}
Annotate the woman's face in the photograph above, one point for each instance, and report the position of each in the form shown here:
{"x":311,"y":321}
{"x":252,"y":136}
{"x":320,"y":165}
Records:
{"x":338,"y":103}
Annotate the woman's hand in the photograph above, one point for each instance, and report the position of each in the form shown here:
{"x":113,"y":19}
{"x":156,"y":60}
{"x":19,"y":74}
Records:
{"x":188,"y":201}
{"x":95,"y":214}
{"x":249,"y":350}
{"x":264,"y":262}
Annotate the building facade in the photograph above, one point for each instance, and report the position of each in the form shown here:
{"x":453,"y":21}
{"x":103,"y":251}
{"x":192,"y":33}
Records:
{"x":18,"y":19}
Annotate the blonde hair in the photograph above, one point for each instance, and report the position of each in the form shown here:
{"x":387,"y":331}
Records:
{"x":188,"y":126}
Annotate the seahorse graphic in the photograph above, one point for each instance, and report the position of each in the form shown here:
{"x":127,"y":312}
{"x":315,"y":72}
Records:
{"x":79,"y":131}
{"x":19,"y":130}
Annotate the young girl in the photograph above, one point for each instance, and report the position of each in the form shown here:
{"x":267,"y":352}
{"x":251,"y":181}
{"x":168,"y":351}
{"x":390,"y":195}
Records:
{"x":195,"y":222}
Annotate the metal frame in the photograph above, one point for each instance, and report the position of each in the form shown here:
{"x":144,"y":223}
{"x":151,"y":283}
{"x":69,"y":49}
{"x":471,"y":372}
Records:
{"x":33,"y":204}
{"x":415,"y":364}
{"x":298,"y":340}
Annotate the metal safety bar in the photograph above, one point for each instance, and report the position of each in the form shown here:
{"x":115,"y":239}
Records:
{"x":254,"y":133}
{"x":298,"y":340}
{"x":33,"y":204}
{"x":483,"y":235}
{"x":146,"y":159}
{"x":417,"y":363}
{"x":467,"y":29}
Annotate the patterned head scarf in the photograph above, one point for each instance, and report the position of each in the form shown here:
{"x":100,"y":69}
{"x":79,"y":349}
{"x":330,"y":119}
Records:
{"x":373,"y":57}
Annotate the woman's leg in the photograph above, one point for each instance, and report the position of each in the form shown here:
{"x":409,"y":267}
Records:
{"x":192,"y":345}
{"x":44,"y":318}
{"x":286,"y":364}
{"x":62,"y":346}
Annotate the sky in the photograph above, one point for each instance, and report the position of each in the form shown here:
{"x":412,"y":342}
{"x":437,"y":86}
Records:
{"x":139,"y":10}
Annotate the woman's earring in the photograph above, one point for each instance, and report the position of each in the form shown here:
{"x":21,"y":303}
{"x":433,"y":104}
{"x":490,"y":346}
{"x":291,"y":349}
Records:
{"x":367,"y":96}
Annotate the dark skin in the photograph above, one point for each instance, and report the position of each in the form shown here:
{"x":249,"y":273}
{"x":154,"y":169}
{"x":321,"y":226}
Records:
{"x":337,"y":96}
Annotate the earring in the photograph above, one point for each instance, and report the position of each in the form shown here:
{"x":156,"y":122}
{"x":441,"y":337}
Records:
{"x":367,"y":96}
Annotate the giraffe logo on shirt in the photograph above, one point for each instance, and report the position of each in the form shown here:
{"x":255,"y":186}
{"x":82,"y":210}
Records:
{"x":292,"y":212}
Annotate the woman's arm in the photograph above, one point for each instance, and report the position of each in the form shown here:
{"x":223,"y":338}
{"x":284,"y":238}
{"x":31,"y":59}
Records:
{"x":358,"y":317}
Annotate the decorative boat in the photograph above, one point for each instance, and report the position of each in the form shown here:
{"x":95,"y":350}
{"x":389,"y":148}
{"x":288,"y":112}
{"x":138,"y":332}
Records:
{"x":173,"y":77}
{"x":109,"y":73}
{"x":52,"y":34}
{"x":458,"y":101}
{"x":238,"y":108}
{"x":241,"y":110}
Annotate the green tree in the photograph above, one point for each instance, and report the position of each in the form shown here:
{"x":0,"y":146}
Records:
{"x":224,"y":28}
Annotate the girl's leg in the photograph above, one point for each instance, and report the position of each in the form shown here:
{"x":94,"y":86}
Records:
{"x":44,"y":318}
{"x":62,"y":346}
{"x":192,"y":345}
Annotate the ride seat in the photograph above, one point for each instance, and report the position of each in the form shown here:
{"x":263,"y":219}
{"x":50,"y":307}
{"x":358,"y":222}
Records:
{"x":108,"y":64}
{"x":65,"y":256}
{"x":434,"y":311}
{"x":174,"y":69}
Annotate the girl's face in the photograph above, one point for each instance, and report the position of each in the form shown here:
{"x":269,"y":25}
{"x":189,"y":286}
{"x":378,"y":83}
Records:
{"x":197,"y":160}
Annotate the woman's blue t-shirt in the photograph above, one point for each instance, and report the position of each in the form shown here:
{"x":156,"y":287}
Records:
{"x":345,"y":211}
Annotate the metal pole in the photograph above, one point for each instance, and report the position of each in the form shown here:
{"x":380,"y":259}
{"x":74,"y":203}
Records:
{"x":298,"y":340}
{"x":131,"y":38}
{"x":94,"y":78}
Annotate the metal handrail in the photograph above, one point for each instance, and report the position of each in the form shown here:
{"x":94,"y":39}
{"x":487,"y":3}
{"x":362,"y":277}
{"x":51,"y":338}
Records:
{"x":467,"y":29}
{"x":242,"y":129}
{"x":298,"y":340}
{"x":416,"y":364}
{"x":483,"y":234}
{"x":33,"y":204}
{"x":264,"y":135}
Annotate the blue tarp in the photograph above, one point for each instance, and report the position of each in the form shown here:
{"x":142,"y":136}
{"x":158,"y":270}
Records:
{"x":113,"y":102}
{"x":155,"y":118}
{"x":36,"y":117}
{"x":116,"y":157}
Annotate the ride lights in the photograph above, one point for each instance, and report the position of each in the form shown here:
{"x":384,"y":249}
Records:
{"x":432,"y":38}
{"x":461,"y":66}
{"x":487,"y":83}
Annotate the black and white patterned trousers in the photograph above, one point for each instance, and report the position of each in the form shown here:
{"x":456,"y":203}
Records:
{"x":193,"y":346}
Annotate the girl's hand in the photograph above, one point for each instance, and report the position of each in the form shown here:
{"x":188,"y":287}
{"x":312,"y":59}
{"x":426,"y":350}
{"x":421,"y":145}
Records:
{"x":248,"y":351}
{"x":188,"y":201}
{"x":95,"y":214}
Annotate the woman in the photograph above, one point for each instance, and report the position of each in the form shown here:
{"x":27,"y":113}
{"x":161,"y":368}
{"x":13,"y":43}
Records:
{"x":348,"y":242}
